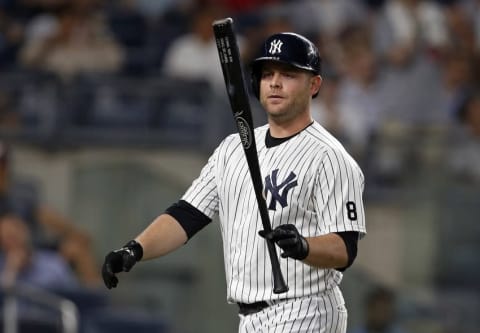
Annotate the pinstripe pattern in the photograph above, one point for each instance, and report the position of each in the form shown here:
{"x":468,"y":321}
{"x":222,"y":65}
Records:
{"x":325,"y":313}
{"x":327,"y":179}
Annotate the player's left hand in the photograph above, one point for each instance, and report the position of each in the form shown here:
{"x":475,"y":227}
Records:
{"x":287,"y":237}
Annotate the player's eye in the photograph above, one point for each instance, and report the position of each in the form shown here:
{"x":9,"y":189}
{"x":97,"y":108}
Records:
{"x":288,"y":74}
{"x":266,"y":74}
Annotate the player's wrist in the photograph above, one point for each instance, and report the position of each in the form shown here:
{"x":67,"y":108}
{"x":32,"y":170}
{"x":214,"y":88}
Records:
{"x":135,"y":248}
{"x":304,"y":248}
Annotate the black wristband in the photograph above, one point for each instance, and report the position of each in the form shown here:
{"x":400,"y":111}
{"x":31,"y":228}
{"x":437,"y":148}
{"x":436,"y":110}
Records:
{"x":136,"y":249}
{"x":305,"y":248}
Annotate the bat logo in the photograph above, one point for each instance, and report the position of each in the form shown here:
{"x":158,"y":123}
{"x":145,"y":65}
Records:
{"x":245,"y":132}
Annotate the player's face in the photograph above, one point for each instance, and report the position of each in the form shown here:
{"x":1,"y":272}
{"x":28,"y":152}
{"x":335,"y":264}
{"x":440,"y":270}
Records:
{"x":285,"y":91}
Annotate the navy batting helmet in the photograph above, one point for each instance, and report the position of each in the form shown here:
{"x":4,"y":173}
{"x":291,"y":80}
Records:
{"x":289,"y":48}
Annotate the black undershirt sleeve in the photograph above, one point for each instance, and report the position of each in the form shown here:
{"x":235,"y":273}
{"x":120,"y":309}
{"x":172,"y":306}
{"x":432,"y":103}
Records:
{"x":190,"y":218}
{"x":350,"y":238}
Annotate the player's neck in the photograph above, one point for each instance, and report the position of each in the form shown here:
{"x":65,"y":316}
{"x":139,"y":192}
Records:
{"x":283,"y":129}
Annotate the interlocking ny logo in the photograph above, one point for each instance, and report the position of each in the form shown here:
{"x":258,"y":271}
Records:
{"x":274,"y":189}
{"x":275,"y":46}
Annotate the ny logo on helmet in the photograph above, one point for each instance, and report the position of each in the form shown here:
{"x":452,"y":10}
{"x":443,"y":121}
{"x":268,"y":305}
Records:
{"x":275,"y":46}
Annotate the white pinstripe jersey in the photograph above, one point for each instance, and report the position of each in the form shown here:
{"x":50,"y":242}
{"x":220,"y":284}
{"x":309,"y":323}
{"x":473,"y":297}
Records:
{"x":310,"y":181}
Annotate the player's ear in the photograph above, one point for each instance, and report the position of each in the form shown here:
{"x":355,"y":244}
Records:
{"x":315,"y":83}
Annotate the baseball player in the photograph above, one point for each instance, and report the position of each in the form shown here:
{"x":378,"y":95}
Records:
{"x":313,"y":190}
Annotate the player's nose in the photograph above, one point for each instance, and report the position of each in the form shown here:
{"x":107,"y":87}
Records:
{"x":275,"y":81}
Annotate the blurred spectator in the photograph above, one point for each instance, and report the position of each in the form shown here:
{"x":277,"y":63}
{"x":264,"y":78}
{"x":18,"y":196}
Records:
{"x":22,"y":265}
{"x":411,"y":24}
{"x":464,"y":34}
{"x":194,"y":55}
{"x":464,"y":160}
{"x":325,"y":106}
{"x":131,"y":29}
{"x":9,"y":118}
{"x":326,"y":18}
{"x":380,"y":313}
{"x":127,"y":23}
{"x":460,"y":28}
{"x":11,"y":37}
{"x":469,"y":12}
{"x":48,"y":228}
{"x":410,"y":39}
{"x":411,"y":36}
{"x":361,"y":103}
{"x":476,"y":21}
{"x":174,"y":21}
{"x":457,"y":68}
{"x":374,"y":5}
{"x":476,"y":15}
{"x":76,"y":40}
{"x":21,"y":262}
{"x":155,"y":9}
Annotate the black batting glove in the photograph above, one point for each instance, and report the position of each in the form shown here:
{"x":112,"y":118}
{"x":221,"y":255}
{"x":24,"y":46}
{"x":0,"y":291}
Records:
{"x":287,"y":237}
{"x":121,"y":260}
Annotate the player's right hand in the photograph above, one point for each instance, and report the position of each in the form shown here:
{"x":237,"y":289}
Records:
{"x":287,"y":237}
{"x":121,"y":260}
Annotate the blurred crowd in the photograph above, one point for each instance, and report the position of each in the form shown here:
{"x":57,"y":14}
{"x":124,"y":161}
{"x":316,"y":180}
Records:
{"x":394,"y":70}
{"x":38,"y":245}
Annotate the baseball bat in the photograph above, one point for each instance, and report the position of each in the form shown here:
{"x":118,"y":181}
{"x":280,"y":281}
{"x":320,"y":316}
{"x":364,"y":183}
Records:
{"x":235,"y":83}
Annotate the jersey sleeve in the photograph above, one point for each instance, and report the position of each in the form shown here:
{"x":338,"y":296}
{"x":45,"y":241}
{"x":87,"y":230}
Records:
{"x":202,"y":193}
{"x":339,"y":194}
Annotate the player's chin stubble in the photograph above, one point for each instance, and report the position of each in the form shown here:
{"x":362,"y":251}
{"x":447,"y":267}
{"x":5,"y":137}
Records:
{"x":286,"y":112}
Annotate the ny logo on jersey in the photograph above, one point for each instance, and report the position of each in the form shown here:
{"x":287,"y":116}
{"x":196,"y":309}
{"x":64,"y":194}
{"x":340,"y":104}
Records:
{"x":275,"y":46}
{"x":274,"y":188}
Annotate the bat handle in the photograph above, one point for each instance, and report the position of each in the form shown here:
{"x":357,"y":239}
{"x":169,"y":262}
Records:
{"x":279,"y":285}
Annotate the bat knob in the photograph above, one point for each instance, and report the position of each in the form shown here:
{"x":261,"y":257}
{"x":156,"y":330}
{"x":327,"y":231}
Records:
{"x":280,"y":289}
{"x":279,"y":285}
